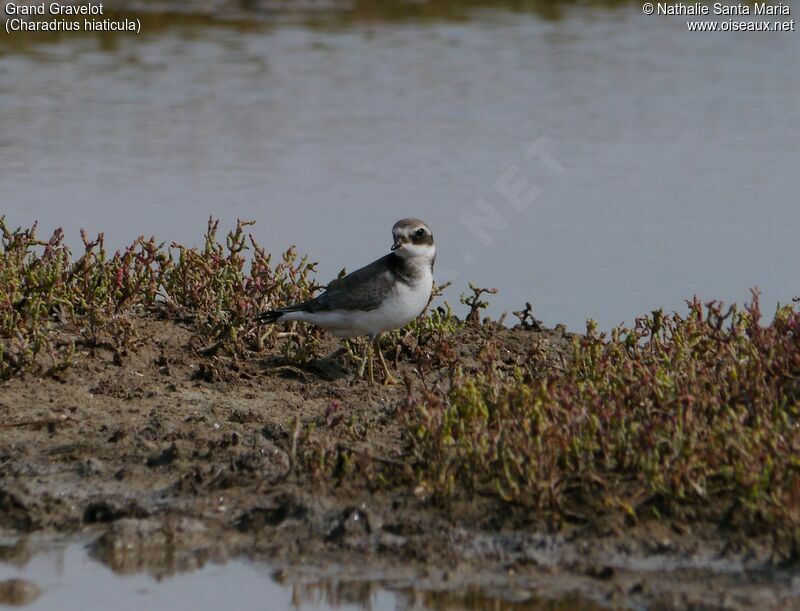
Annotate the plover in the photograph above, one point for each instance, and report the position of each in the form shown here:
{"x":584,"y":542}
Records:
{"x":386,"y":294}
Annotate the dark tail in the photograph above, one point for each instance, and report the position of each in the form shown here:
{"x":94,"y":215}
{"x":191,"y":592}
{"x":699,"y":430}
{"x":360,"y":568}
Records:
{"x":270,"y":316}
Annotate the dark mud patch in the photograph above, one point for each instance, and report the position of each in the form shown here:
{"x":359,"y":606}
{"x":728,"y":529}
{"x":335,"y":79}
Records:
{"x":168,"y":460}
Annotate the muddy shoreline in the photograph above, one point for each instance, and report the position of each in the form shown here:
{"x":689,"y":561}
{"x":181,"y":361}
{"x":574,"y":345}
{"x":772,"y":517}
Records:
{"x":167,"y":458}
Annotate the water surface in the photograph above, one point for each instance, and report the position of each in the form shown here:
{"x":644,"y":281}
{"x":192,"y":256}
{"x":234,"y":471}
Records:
{"x":68,"y":579}
{"x":665,"y":161}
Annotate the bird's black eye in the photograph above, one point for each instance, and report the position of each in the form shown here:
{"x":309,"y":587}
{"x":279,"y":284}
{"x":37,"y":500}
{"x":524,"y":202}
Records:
{"x":420,"y":232}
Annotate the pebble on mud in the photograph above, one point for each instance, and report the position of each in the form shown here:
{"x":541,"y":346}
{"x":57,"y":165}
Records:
{"x":281,"y":508}
{"x":106,"y":511}
{"x":352,"y":522}
{"x":14,"y":513}
{"x":164,"y":458}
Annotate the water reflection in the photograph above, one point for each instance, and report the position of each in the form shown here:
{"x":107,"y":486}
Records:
{"x":350,"y":12}
{"x":160,"y":13}
{"x":46,"y":574}
{"x":161,"y":16}
{"x":369,"y":596}
{"x":334,"y":594}
{"x":16,"y":553}
{"x":476,"y":599}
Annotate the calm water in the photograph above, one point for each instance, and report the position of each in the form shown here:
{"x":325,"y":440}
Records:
{"x":66,"y":578}
{"x":665,"y":162}
{"x":70,"y":580}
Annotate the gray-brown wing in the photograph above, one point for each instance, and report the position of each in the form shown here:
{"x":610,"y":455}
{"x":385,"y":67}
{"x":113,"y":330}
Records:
{"x":363,"y":289}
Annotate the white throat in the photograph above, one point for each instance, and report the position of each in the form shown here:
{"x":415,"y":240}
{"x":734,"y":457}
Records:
{"x":425,"y":252}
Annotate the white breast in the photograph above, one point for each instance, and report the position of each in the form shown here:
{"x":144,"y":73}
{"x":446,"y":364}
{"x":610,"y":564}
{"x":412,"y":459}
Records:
{"x":400,"y":307}
{"x":404,"y":304}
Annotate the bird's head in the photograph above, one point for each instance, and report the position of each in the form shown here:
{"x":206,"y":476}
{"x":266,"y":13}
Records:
{"x":413,"y":238}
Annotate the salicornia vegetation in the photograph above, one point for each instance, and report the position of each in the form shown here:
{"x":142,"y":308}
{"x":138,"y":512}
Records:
{"x":694,"y":415}
{"x":51,"y":303}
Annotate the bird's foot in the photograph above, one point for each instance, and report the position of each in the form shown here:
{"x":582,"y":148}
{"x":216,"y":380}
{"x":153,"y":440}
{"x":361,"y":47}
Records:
{"x":389,"y":379}
{"x":370,"y":375}
{"x":366,"y":358}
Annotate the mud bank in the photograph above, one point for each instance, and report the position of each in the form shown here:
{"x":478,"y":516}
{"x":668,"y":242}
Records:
{"x":168,"y":458}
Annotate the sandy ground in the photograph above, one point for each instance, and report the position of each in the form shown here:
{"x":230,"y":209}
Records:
{"x":170,"y":459}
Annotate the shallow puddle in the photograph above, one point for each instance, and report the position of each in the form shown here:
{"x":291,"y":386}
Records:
{"x":64,"y":576}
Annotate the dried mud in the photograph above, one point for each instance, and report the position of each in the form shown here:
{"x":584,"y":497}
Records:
{"x":168,"y":459}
